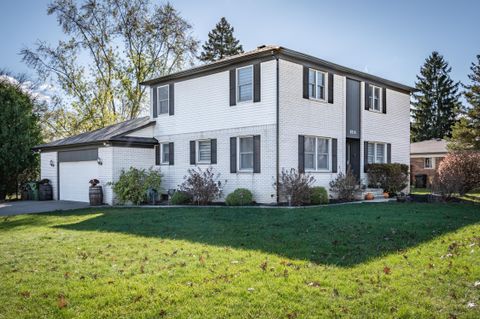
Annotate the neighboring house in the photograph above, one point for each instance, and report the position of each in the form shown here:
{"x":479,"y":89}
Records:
{"x":251,"y":115}
{"x":425,"y":156}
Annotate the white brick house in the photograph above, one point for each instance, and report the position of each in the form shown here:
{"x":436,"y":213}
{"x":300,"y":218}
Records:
{"x":254,"y":114}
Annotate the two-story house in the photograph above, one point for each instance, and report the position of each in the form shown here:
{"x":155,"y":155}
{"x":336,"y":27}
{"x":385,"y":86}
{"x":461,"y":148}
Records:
{"x":250,"y":116}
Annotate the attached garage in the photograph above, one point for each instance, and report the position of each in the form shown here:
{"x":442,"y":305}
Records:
{"x":71,"y":163}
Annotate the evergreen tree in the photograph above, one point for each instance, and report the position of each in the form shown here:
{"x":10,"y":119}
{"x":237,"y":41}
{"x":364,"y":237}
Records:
{"x":221,"y":43}
{"x":436,"y":103}
{"x":20,"y":131}
{"x":466,"y":133}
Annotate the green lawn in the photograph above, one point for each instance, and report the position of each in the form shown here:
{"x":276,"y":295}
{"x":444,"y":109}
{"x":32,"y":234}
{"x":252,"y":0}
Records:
{"x":359,"y":260}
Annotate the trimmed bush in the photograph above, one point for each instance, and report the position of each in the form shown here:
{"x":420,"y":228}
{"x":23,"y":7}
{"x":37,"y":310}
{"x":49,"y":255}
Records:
{"x":180,"y":198}
{"x":392,"y":178}
{"x":458,"y":173}
{"x":239,"y":197}
{"x":318,"y":195}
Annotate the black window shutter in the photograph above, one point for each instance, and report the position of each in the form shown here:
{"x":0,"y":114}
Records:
{"x":233,"y":87}
{"x":171,"y":99}
{"x":154,"y":102}
{"x":334,"y":155}
{"x":389,"y":153}
{"x":171,"y":154}
{"x":157,"y":154}
{"x":256,"y":154}
{"x":384,"y":100}
{"x":213,"y":151}
{"x":256,"y":82}
{"x":365,"y":156}
{"x":301,"y":154}
{"x":192,"y":153}
{"x":330,"y":88}
{"x":305,"y":82}
{"x":233,"y":154}
{"x":367,"y":100}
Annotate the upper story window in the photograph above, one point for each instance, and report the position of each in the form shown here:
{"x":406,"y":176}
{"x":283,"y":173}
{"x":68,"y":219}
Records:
{"x":316,"y":84}
{"x":245,"y":84}
{"x":377,"y":153}
{"x":164,"y":153}
{"x":317,"y":153}
{"x":374,"y":95}
{"x":162,"y":99}
{"x":245,"y":153}
{"x":204,"y":151}
{"x":428,"y":162}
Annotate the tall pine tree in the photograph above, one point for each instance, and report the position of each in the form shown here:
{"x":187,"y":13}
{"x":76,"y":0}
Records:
{"x":221,"y":43}
{"x":436,"y":103}
{"x":466,"y":133}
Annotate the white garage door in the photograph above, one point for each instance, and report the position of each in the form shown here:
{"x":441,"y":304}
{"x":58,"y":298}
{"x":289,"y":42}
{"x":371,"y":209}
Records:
{"x":74,"y":178}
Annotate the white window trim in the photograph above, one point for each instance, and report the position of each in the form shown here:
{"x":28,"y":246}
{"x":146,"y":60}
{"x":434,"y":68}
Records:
{"x":325,"y":86}
{"x":239,"y":169}
{"x":432,"y":162}
{"x":168,"y":100}
{"x":197,"y":150}
{"x":237,"y":84}
{"x":375,"y":152}
{"x":161,"y":153}
{"x":380,"y":97}
{"x":322,"y":170}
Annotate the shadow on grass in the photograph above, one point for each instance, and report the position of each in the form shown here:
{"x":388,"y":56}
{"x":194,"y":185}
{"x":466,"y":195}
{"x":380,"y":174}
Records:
{"x":341,"y":235}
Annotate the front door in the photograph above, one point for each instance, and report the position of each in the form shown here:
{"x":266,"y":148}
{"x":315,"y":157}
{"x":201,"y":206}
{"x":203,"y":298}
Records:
{"x":353,"y":156}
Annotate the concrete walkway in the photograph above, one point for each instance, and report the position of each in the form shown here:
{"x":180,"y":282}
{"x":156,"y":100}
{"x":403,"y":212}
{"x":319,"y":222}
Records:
{"x":27,"y":206}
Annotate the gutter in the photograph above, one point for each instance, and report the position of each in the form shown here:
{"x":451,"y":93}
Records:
{"x":277,"y":128}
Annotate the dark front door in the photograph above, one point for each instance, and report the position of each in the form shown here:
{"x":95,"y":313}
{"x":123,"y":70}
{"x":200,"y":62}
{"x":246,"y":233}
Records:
{"x":353,"y":156}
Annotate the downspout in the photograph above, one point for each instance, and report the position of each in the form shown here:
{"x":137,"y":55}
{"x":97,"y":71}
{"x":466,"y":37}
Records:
{"x":277,"y":155}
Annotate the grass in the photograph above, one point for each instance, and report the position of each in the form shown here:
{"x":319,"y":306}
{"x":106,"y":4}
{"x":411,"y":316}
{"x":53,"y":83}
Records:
{"x":360,"y":260}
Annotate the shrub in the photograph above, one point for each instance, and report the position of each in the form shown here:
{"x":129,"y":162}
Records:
{"x":345,"y":186}
{"x":318,"y":195}
{"x":133,"y":185}
{"x":180,"y":198}
{"x":239,"y":197}
{"x":295,"y":187}
{"x":392,"y":178}
{"x":458,"y":173}
{"x":202,"y":186}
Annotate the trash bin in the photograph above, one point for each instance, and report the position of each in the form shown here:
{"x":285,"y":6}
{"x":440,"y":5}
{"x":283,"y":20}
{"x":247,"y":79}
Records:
{"x":32,"y":190}
{"x":420,"y":181}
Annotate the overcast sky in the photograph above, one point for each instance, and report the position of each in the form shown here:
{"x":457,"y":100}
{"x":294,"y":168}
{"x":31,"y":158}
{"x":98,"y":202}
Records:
{"x":390,"y":39}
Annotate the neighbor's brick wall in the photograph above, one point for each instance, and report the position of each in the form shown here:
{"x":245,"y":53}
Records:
{"x":417,"y":167}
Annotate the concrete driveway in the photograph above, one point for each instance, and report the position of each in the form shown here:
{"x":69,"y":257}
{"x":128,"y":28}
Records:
{"x":27,"y":206}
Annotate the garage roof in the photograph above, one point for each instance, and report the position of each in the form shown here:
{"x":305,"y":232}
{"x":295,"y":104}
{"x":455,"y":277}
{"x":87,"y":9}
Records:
{"x":114,"y":133}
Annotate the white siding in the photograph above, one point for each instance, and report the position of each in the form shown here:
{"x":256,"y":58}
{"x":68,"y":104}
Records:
{"x":202,"y":104}
{"x":144,"y":132}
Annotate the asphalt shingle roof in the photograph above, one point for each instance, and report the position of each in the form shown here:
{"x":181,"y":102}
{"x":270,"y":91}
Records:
{"x":429,"y":146}
{"x":113,"y":132}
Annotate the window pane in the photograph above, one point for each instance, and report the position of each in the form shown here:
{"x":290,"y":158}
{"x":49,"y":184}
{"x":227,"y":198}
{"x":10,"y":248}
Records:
{"x":165,"y":153}
{"x":162,"y":99}
{"x":380,"y":153}
{"x":310,"y":161}
{"x":323,"y":146}
{"x":245,"y":84}
{"x":163,"y":93}
{"x":309,"y":145}
{"x":246,"y":152}
{"x":428,"y":162}
{"x":163,"y":107}
{"x":246,"y":144}
{"x":204,"y":151}
{"x":322,"y":161}
{"x":371,"y":153}
{"x":311,"y":83}
{"x":246,"y":161}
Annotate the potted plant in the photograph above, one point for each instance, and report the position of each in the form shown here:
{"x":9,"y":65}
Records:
{"x":95,"y":193}
{"x":369,"y":196}
{"x":386,"y":195}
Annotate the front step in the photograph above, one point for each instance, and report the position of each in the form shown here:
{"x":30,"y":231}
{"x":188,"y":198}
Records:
{"x":377,"y":192}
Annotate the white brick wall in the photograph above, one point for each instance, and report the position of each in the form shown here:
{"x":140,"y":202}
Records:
{"x":261,"y":184}
{"x":49,"y":172}
{"x":299,"y":116}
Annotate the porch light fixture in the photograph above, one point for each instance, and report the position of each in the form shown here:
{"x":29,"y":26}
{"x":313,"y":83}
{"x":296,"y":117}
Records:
{"x":99,"y":161}
{"x":52,"y":163}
